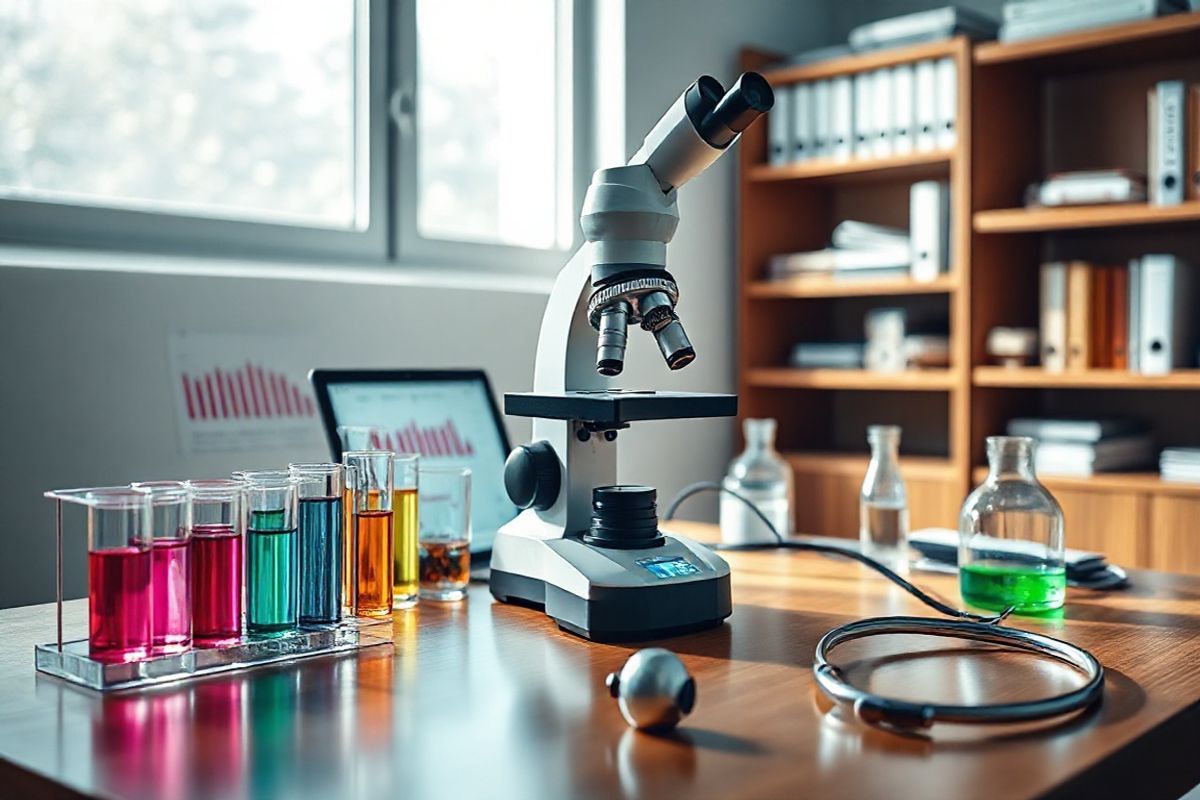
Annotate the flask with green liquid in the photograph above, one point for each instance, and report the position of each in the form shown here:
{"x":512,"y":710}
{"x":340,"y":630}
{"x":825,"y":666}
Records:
{"x":1010,"y":529}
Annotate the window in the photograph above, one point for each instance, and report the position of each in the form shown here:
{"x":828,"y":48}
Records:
{"x":263,"y":126}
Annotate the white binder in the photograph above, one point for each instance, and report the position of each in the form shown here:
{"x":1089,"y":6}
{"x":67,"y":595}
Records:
{"x":929,"y":229}
{"x":864,"y":117}
{"x":803,"y":133}
{"x":1166,"y":146}
{"x":842,"y":117}
{"x":822,"y":110}
{"x":881,"y":91}
{"x":1166,"y":315}
{"x":779,"y":128}
{"x":946,"y":95}
{"x":1133,"y":346}
{"x":903,"y":109}
{"x":1054,"y":316}
{"x":925,"y":103}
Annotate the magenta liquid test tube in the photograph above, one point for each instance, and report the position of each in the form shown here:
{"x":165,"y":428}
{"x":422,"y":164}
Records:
{"x":119,"y":601}
{"x":170,"y":569}
{"x":216,"y":522}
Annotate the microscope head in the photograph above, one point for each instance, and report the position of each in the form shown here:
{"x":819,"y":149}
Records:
{"x":629,"y":216}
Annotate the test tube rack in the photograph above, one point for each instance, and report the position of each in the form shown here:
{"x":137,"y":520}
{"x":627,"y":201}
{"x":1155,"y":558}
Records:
{"x":70,"y":661}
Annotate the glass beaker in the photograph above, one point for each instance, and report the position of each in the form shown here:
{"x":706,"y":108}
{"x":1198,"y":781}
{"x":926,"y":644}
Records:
{"x":445,"y":532}
{"x":171,"y":573}
{"x":373,"y":520}
{"x":883,"y":502}
{"x":272,"y":553}
{"x":359,"y":438}
{"x":119,"y":596}
{"x":1011,"y":547}
{"x":404,"y":537}
{"x":761,"y":476}
{"x":320,"y":490}
{"x":216,"y":521}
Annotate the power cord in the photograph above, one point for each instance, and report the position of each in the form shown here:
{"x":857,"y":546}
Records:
{"x":827,"y":549}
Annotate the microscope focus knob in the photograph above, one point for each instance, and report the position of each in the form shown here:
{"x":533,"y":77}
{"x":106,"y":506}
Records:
{"x":532,"y":476}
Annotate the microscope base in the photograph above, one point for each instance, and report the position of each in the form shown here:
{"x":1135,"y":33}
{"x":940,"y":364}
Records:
{"x":621,"y":600}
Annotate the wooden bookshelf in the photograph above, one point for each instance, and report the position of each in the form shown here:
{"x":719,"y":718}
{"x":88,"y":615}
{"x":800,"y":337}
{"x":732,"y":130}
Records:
{"x":1075,"y":101}
{"x":1118,"y":215}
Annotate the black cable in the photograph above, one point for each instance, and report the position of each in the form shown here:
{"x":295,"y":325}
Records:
{"x":828,"y":549}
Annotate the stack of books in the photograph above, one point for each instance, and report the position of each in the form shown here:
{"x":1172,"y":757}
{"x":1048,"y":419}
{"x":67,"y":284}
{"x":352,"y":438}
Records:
{"x":923,"y":26}
{"x":828,"y":355}
{"x":1029,"y":19}
{"x":1137,"y":316}
{"x":1180,"y":464}
{"x":857,"y":250}
{"x":1084,"y":447}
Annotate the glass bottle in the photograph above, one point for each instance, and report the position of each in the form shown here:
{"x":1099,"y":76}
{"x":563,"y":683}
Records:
{"x":1011,"y":548}
{"x":761,"y":476}
{"x":883,"y":502}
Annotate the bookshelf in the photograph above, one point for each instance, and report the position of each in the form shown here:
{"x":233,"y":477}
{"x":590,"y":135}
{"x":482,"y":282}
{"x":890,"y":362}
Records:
{"x":1025,"y":108}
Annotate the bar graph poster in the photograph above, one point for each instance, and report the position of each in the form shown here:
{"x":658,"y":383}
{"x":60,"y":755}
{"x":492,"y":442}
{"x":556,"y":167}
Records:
{"x":243,"y":392}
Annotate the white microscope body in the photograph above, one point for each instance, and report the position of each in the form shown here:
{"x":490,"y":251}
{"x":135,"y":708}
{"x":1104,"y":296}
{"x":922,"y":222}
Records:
{"x":585,"y":548}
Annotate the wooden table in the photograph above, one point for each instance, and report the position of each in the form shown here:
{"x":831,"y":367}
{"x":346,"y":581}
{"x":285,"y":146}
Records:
{"x":481,"y":700}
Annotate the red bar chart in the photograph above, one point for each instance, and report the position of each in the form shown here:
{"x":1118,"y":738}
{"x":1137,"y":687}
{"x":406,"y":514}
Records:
{"x":430,"y":441}
{"x":246,"y":392}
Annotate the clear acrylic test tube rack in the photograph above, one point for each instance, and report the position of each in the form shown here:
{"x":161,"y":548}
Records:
{"x":70,"y":661}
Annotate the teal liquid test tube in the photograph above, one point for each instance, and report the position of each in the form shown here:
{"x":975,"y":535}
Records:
{"x":320,"y":489}
{"x":272,"y":553}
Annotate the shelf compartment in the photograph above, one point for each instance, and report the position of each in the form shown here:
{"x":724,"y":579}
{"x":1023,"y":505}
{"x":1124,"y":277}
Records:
{"x":1121,"y":45}
{"x":824,"y":286}
{"x":1145,"y":482}
{"x":913,"y":166}
{"x":932,"y":380}
{"x":1117,"y":215}
{"x":855,"y":464}
{"x":862,"y":62}
{"x":1038,"y":378}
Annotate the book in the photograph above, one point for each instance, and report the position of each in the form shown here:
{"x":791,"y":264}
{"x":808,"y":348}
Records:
{"x":929,"y":228}
{"x":1166,"y":315}
{"x":1166,"y":143}
{"x":1079,"y":458}
{"x":946,"y":72}
{"x":925,"y":106}
{"x":1073,"y":430}
{"x":1054,"y":316}
{"x":803,"y":130}
{"x":903,"y":109}
{"x":779,"y":128}
{"x":1079,"y":315}
{"x":1096,"y":14}
{"x":922,"y":26}
{"x":1118,"y":345}
{"x":1020,"y":10}
{"x":841,"y":101}
{"x":827,"y":355}
{"x":1192,"y":129}
{"x":822,"y":113}
{"x":1089,"y":187}
{"x":1133,"y":347}
{"x":852,"y":233}
{"x":881,"y":103}
{"x":1101,"y":317}
{"x":835,"y":259}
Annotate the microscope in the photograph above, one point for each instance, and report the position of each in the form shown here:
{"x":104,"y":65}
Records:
{"x":586,"y":549}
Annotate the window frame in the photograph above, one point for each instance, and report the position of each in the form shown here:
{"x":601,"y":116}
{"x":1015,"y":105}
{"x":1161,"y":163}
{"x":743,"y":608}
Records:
{"x":575,"y":88}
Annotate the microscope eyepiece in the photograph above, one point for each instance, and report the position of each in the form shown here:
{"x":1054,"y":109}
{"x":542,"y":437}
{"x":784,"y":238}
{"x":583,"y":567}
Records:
{"x":745,"y":102}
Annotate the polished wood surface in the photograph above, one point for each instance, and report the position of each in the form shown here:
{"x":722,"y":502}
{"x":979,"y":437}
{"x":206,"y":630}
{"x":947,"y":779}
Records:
{"x":1115,"y":215}
{"x":486,"y":700}
{"x":1097,"y":48}
{"x":1036,"y":377}
{"x":913,"y":167}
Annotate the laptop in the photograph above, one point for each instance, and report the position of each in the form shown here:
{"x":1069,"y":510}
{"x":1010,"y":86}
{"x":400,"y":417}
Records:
{"x":449,"y":417}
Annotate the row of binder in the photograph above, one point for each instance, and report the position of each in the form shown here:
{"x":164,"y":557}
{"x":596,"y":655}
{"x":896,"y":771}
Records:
{"x":909,"y":108}
{"x":1137,"y":316}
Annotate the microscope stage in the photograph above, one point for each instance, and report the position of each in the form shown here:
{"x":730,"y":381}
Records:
{"x":618,"y":406}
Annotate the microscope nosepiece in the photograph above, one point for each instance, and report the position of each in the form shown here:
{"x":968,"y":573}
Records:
{"x":610,"y":346}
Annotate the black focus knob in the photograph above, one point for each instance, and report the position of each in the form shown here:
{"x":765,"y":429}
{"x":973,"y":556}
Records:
{"x":532,"y":476}
{"x":624,"y":517}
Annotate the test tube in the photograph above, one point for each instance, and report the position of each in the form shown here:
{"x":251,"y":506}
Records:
{"x":373,"y":531}
{"x":216,"y":521}
{"x":272,"y":553}
{"x":405,"y":586}
{"x":119,"y":599}
{"x":170,"y":572}
{"x":320,"y":489}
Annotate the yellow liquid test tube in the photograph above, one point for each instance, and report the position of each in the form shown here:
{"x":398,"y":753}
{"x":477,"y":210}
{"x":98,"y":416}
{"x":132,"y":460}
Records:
{"x":404,"y":556}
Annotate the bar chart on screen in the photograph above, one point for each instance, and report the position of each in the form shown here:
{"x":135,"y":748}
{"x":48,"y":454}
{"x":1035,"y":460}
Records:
{"x":242,"y":392}
{"x":430,"y":441}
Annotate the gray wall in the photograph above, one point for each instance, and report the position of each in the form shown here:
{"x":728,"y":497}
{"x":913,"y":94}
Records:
{"x":83,"y":352}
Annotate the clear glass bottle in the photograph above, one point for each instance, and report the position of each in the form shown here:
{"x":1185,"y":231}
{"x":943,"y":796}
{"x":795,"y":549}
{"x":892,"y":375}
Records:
{"x":1010,"y":550}
{"x":762,"y":476}
{"x":883,"y":502}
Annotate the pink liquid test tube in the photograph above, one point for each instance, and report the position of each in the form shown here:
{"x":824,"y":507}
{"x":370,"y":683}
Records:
{"x":170,"y":571}
{"x":216,"y":521}
{"x":119,"y":600}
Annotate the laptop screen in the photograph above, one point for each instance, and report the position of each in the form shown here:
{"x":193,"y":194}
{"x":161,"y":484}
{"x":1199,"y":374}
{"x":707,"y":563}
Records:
{"x":447,"y":421}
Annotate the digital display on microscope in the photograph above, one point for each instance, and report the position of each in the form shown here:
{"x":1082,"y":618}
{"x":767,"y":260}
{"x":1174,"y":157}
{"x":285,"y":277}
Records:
{"x":667,"y":567}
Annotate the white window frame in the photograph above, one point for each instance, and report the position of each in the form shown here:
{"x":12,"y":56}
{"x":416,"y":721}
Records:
{"x":573,"y":64}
